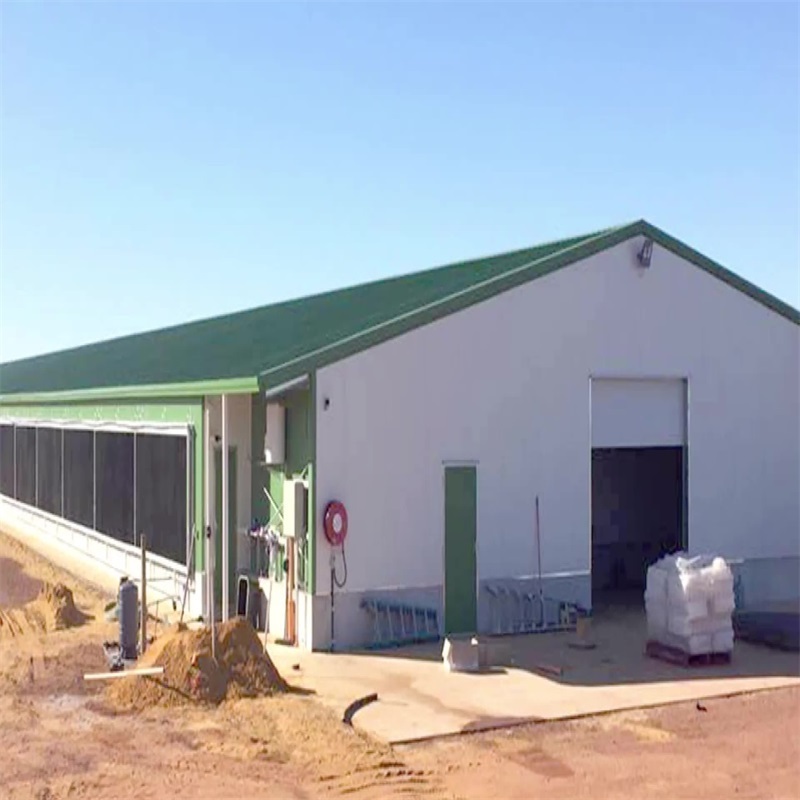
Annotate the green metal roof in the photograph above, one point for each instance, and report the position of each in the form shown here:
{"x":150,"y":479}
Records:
{"x":271,"y":344}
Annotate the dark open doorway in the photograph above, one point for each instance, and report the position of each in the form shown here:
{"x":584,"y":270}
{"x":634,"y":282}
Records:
{"x":637,"y":516}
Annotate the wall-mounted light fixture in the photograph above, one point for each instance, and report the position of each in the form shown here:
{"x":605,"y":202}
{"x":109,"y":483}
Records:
{"x":645,"y":255}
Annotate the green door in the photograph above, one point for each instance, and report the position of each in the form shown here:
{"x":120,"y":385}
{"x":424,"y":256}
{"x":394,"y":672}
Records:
{"x":460,"y":567}
{"x":231,"y":524}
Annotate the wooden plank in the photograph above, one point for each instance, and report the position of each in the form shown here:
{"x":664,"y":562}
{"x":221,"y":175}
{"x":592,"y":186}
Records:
{"x":548,"y":669}
{"x":674,"y":655}
{"x":123,"y":673}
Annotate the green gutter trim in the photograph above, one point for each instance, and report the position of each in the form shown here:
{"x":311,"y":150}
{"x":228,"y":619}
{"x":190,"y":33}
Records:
{"x":189,"y":389}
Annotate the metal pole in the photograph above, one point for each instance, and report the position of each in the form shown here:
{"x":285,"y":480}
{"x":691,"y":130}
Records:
{"x":296,"y":569}
{"x":189,"y":510}
{"x":134,"y":496}
{"x":210,"y":579}
{"x":15,"y":463}
{"x":36,"y":466}
{"x":62,"y":472}
{"x":225,"y":511}
{"x":94,"y":480}
{"x":143,"y":646}
{"x":209,"y":560}
{"x":333,"y":634}
{"x":539,"y":554}
{"x":189,"y":522}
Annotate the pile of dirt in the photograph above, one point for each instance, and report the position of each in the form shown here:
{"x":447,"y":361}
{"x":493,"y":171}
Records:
{"x":241,"y":669}
{"x":57,"y":606}
{"x":53,"y":609}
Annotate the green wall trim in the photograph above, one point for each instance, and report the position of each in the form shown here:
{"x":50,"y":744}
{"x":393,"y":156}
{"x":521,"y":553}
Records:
{"x":300,"y":454}
{"x":187,"y":411}
{"x":155,"y":391}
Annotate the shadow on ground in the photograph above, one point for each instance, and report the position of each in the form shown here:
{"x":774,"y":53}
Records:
{"x":619,"y":635}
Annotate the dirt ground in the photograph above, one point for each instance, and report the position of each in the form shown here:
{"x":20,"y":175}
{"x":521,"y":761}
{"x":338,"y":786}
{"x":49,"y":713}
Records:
{"x":60,"y":738}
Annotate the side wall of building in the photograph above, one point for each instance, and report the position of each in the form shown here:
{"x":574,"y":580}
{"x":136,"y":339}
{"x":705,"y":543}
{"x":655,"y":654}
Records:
{"x":107,"y":555}
{"x":506,"y":384}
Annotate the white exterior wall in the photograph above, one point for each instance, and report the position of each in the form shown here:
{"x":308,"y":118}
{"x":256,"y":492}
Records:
{"x":506,"y":383}
{"x":239,"y":412}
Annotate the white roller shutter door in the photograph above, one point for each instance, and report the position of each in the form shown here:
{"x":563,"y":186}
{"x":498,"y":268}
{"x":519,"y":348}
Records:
{"x":638,"y":413}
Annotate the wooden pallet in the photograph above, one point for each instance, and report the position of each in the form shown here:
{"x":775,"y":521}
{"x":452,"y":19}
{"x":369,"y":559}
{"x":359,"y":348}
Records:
{"x":674,"y":655}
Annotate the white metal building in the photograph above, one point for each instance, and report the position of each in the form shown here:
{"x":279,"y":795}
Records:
{"x":648,"y":397}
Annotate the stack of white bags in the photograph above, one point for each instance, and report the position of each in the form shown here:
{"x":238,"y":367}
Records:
{"x":689,"y":604}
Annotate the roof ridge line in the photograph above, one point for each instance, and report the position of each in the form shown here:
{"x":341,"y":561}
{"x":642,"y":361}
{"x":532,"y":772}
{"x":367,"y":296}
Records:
{"x":448,"y":298}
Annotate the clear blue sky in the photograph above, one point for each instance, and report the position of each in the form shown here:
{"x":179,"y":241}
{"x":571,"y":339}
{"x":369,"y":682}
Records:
{"x":165,"y":162}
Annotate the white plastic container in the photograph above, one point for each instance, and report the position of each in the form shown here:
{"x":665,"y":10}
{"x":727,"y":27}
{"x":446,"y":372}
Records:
{"x":689,"y":603}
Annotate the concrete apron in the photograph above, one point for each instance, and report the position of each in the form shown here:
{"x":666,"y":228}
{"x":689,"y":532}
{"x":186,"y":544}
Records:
{"x":418,"y":699}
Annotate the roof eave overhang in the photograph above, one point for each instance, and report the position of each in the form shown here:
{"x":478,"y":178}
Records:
{"x":186,"y":389}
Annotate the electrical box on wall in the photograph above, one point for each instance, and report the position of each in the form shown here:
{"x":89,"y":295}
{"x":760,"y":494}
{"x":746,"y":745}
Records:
{"x":295,"y":508}
{"x":275,"y":438}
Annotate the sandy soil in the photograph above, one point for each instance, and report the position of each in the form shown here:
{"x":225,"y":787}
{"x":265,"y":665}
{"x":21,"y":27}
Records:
{"x":746,"y":746}
{"x":61,"y":739}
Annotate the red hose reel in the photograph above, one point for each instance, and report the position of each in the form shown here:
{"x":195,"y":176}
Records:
{"x":335,"y":523}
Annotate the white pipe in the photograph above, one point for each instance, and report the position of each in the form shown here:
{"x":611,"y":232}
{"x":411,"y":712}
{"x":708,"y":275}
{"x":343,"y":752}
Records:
{"x":94,"y":480}
{"x":208,"y":540}
{"x":296,"y":546}
{"x":125,"y":673}
{"x":274,"y":504}
{"x":225,"y":511}
{"x":134,"y":492}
